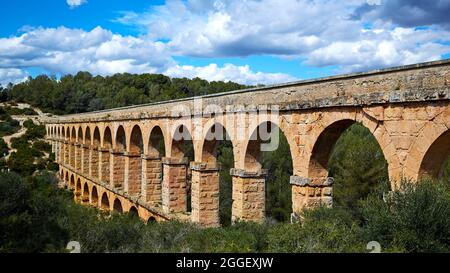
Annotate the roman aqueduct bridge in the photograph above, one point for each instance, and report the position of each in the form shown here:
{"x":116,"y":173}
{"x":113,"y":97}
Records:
{"x":134,"y":159}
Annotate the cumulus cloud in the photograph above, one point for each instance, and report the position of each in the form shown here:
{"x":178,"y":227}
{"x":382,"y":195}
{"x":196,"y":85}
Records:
{"x":76,"y":3}
{"x":399,"y":46}
{"x":354,"y":34}
{"x":229,"y":72}
{"x":408,"y":13}
{"x":12,"y":75}
{"x":62,"y":50}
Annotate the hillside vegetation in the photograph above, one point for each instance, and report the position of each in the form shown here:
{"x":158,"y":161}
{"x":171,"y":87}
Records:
{"x":84,"y":92}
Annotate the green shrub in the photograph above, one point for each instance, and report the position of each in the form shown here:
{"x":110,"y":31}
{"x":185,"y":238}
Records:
{"x":52,"y":166}
{"x":28,"y":123}
{"x":414,"y":219}
{"x":29,"y":112}
{"x":22,"y":162}
{"x":4,"y":150}
{"x":321,"y":230}
{"x":28,"y":214}
{"x":35,"y":131}
{"x":43,"y":146}
{"x":8,"y":127}
{"x":19,"y":143}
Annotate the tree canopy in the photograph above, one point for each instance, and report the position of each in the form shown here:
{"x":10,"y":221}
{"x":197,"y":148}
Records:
{"x":83,"y":92}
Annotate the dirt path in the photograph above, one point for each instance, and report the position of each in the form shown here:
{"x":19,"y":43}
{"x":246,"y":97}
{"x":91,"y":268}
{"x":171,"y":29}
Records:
{"x":7,"y":139}
{"x":22,"y":118}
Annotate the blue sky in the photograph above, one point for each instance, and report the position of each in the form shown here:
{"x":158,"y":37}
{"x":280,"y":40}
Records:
{"x":251,"y":42}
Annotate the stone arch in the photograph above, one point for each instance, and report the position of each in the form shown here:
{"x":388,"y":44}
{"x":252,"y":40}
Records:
{"x":120,"y":139}
{"x":133,"y":212}
{"x":152,"y":166}
{"x":429,"y":152}
{"x":85,"y":194}
{"x":73,"y":134}
{"x":179,"y":137}
{"x":96,"y":138}
{"x":87,"y":139}
{"x":156,"y":142}
{"x":78,"y":190}
{"x":136,"y":140}
{"x":177,"y":172}
{"x":134,"y":155}
{"x":264,"y":137}
{"x":151,"y":220}
{"x":322,"y":148}
{"x":94,"y":196}
{"x":117,"y":206}
{"x":104,"y":205}
{"x":260,"y":139}
{"x":80,"y":136}
{"x":434,"y":159}
{"x":70,"y":181}
{"x":324,"y":136}
{"x":95,"y":153}
{"x":119,"y":148}
{"x":72,"y":140}
{"x":315,"y":187}
{"x":78,"y":149}
{"x":107,"y":138}
{"x":105,"y":152}
{"x":213,"y":136}
{"x":207,"y":189}
{"x":87,"y":136}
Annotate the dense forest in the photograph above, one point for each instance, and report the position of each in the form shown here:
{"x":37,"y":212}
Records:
{"x":84,"y":92}
{"x":36,"y":216}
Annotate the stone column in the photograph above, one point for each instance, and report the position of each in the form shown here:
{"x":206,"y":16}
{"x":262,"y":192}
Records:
{"x":174,"y":192}
{"x":94,"y":163}
{"x":72,"y":154}
{"x":310,"y":193}
{"x":248,"y":195}
{"x":86,"y":157}
{"x":78,"y":157}
{"x":117,"y":167}
{"x":152,"y":179}
{"x":205,"y":194}
{"x":104,"y":165}
{"x":66,"y":152}
{"x":57,"y":151}
{"x":133,"y":173}
{"x":61,"y":152}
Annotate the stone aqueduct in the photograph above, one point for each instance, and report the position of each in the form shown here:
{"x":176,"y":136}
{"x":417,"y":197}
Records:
{"x":111,"y":159}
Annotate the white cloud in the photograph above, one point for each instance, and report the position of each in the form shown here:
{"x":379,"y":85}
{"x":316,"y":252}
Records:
{"x":12,"y":75}
{"x":321,"y":32}
{"x":62,"y":50}
{"x":229,"y":72}
{"x":76,"y":3}
{"x":399,"y":46}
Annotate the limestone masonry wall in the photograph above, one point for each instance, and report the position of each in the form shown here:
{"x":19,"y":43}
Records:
{"x":407,"y":109}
